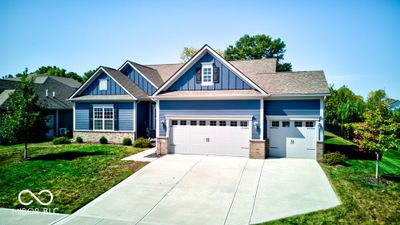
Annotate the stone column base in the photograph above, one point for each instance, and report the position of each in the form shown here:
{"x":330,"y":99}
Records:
{"x":162,"y":145}
{"x":257,"y":149}
{"x":320,"y":150}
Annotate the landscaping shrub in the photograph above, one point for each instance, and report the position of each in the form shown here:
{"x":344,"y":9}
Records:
{"x":61,"y":140}
{"x":334,"y":158}
{"x":142,"y":143}
{"x":127,"y":141}
{"x":103,"y":140}
{"x":79,"y":139}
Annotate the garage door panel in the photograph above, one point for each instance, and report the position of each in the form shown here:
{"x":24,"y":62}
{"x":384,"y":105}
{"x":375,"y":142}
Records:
{"x":213,"y":140}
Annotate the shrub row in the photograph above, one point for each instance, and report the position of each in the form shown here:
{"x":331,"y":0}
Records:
{"x":139,"y":143}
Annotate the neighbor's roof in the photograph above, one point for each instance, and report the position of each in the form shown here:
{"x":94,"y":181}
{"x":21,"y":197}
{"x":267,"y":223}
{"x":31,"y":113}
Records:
{"x":42,"y":78}
{"x":292,"y":83}
{"x":5,"y":95}
{"x":130,"y":86}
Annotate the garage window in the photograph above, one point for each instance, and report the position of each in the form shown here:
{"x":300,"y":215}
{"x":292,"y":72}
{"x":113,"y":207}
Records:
{"x":174,"y":122}
{"x":202,"y":123}
{"x":275,"y":124}
{"x":309,"y":124}
{"x":233,"y":123}
{"x":193,"y":123}
{"x":183,"y":122}
{"x":213,"y":123}
{"x":298,"y":124}
{"x":222,"y":123}
{"x":285,"y":123}
{"x":243,"y":123}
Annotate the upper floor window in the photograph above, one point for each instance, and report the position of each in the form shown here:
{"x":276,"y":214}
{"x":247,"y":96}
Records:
{"x":103,"y":85}
{"x":207,"y":74}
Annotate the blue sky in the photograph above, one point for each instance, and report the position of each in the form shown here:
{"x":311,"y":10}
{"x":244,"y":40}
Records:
{"x":356,"y":43}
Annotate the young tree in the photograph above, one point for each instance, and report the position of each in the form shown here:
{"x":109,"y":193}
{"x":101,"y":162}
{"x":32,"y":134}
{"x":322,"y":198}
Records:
{"x":24,"y":119}
{"x":375,"y":97}
{"x":378,"y":133}
{"x":259,"y":47}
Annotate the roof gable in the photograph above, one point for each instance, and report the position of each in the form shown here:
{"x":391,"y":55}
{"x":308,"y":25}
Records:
{"x":140,"y":75}
{"x":195,"y":59}
{"x":112,"y":87}
{"x":227,"y":79}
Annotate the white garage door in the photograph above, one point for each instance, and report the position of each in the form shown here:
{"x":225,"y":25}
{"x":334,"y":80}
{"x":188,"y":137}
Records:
{"x":292,"y":139}
{"x":210,"y":137}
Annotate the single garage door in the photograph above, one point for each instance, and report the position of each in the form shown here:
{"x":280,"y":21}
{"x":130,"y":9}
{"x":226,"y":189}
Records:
{"x":292,"y":139}
{"x":210,"y":137}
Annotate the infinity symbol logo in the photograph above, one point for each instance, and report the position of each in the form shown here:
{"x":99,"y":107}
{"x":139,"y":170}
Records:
{"x":34,"y":196}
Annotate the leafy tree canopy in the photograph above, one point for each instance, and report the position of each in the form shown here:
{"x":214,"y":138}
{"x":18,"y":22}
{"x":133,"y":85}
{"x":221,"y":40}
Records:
{"x":56,"y":71}
{"x":88,"y":74}
{"x":189,"y":52}
{"x":375,"y":97}
{"x":258,"y":47}
{"x":24,"y":120}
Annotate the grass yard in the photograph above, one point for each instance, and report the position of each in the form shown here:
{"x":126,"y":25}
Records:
{"x":75,"y":173}
{"x":362,"y":203}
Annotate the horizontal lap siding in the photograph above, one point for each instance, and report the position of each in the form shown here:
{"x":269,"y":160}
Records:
{"x":112,"y":89}
{"x":125,"y":115}
{"x":227,"y":79}
{"x":139,"y":80}
{"x":290,"y":107}
{"x":204,"y":107}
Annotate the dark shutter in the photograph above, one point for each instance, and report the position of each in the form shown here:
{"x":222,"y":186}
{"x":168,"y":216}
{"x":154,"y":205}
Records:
{"x":215,"y":74}
{"x":116,"y":127}
{"x":198,"y":75}
{"x":91,"y":118}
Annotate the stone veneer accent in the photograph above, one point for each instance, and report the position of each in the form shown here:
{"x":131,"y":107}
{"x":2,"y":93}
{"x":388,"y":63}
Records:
{"x":320,"y":150}
{"x":162,"y":145}
{"x":258,"y":149}
{"x":115,"y":137}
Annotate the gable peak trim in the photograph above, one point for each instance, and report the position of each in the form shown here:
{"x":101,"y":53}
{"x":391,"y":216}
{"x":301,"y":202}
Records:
{"x":130,"y":63}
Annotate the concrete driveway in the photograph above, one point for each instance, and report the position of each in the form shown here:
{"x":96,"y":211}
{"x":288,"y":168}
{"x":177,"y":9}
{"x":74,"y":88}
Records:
{"x":189,"y":189}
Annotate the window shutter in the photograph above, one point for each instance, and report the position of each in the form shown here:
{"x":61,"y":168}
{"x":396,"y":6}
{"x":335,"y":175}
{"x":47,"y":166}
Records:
{"x":91,"y":118}
{"x":215,"y":74}
{"x":116,"y":125}
{"x":198,"y":75}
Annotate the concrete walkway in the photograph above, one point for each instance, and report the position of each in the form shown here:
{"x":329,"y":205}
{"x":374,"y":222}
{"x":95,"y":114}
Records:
{"x":145,"y":156}
{"x":18,"y":217}
{"x":189,"y":189}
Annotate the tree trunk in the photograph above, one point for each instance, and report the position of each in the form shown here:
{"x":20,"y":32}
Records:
{"x":26,"y":151}
{"x":377,"y":167}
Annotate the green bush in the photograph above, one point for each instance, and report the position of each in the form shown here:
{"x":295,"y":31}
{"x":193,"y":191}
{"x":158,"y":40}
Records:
{"x":79,"y":139}
{"x":61,"y":140}
{"x":334,"y":158}
{"x":103,"y":140}
{"x":142,"y":143}
{"x":127,"y":141}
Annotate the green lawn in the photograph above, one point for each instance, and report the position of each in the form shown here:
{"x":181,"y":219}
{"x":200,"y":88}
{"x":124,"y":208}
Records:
{"x":362,"y":203}
{"x":75,"y":174}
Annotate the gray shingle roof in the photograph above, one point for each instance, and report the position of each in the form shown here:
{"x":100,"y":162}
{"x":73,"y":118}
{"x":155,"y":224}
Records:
{"x":131,"y":87}
{"x":104,"y":97}
{"x":292,"y":83}
{"x":207,"y":93}
{"x":151,"y":74}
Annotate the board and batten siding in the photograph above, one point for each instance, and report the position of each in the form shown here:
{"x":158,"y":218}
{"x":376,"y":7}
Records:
{"x":139,"y":80}
{"x":125,"y":115}
{"x":309,"y":107}
{"x":227,"y":79}
{"x":209,"y":107}
{"x":112,"y":89}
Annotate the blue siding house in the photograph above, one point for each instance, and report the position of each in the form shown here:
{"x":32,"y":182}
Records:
{"x":206,"y":106}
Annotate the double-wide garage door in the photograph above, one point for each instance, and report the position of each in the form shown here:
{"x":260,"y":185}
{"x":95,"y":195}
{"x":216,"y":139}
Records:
{"x":210,"y":137}
{"x":292,"y":139}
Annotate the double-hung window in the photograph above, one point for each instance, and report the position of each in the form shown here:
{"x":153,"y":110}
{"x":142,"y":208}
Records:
{"x":207,"y":74}
{"x":103,"y":118}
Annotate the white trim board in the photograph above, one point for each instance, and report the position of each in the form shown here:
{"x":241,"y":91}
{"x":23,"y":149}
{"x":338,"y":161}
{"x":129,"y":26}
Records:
{"x":130,"y":64}
{"x":209,"y":117}
{"x":90,"y":80}
{"x":195,"y":58}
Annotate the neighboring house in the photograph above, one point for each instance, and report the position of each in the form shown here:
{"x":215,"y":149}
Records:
{"x":394,"y":104}
{"x":207,"y":106}
{"x":53,"y":92}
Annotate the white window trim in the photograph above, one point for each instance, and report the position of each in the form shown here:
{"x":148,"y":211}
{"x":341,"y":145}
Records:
{"x":101,"y":84}
{"x":208,"y":65}
{"x":102,"y":107}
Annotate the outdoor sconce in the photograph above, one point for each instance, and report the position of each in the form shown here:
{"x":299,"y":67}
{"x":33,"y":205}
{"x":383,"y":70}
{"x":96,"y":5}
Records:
{"x":255,"y":123}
